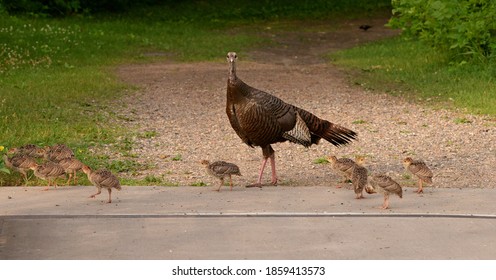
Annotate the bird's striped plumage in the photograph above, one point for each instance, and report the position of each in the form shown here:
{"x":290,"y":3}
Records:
{"x":102,"y":178}
{"x":359,"y":179}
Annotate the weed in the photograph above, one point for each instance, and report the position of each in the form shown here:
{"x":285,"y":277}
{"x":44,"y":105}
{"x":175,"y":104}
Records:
{"x":177,"y":157}
{"x":2,"y":163}
{"x":126,"y":144}
{"x":359,"y":122}
{"x":198,"y":184}
{"x":148,"y":134}
{"x":462,"y":121}
{"x":125,"y":166}
{"x":320,"y":160}
{"x":153,"y":179}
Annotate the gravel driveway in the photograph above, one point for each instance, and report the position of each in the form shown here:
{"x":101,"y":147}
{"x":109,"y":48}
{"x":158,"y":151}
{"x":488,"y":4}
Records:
{"x":181,"y":107}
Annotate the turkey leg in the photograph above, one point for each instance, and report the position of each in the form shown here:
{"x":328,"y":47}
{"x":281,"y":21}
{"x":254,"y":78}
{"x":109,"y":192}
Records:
{"x":99,"y":192}
{"x":221,"y":183}
{"x":420,"y":190}
{"x":230,"y":179}
{"x":110,"y":195}
{"x":273,"y":166}
{"x":258,"y":184}
{"x":385,"y":205}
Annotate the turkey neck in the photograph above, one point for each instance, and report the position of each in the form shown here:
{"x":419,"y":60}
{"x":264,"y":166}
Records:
{"x":232,"y":72}
{"x":236,"y":89}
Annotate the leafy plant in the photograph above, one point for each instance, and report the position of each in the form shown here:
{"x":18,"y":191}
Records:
{"x":153,"y":179}
{"x":2,"y":164}
{"x":462,"y":120}
{"x":464,"y":29}
{"x":177,"y":157}
{"x":148,"y":134}
{"x":320,"y":160}
{"x":198,"y":184}
{"x":125,"y":166}
{"x":359,"y":122}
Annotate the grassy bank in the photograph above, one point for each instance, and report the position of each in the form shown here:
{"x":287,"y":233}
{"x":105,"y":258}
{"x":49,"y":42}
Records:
{"x":406,"y":67}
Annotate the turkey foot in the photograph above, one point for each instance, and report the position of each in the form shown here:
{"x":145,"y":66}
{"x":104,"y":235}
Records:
{"x":420,"y":189}
{"x":256,"y":185}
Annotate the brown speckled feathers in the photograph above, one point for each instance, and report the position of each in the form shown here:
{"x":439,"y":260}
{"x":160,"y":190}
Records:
{"x":385,"y":184}
{"x":261,"y":119}
{"x":419,"y":169}
{"x":221,"y":169}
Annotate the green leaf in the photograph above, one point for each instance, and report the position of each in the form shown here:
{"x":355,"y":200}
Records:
{"x":4,"y":170}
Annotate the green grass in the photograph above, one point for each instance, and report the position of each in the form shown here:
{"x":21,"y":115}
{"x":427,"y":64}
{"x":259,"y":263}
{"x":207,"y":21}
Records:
{"x":409,"y":68}
{"x":320,"y":160}
{"x":57,"y":79}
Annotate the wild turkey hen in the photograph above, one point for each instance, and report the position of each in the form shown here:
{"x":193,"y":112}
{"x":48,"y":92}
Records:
{"x":102,"y":178}
{"x":261,"y":119}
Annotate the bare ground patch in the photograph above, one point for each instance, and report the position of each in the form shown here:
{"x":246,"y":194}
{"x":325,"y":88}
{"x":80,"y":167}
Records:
{"x":183,"y":104}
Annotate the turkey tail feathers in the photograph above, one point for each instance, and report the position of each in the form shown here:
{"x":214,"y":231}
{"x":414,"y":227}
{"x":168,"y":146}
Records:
{"x":335,"y":134}
{"x":300,"y":134}
{"x":338,"y":135}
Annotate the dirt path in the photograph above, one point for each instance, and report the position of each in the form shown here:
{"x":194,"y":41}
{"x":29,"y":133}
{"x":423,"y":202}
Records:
{"x":184,"y":105}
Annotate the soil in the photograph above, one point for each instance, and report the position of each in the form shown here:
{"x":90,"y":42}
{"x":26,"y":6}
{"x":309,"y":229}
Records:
{"x":181,"y":107}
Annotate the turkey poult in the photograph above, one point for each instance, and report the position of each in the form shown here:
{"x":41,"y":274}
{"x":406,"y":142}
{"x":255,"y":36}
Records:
{"x":57,"y":152}
{"x":261,"y":119}
{"x":419,"y":169}
{"x":102,"y":178}
{"x":71,"y":167}
{"x":344,"y":166}
{"x":47,"y":171}
{"x":20,"y":163}
{"x":28,"y":150}
{"x":359,"y":177}
{"x":222,"y":169}
{"x":384,"y":184}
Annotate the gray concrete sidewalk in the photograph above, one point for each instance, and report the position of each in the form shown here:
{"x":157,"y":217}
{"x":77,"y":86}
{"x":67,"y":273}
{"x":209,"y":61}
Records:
{"x":268,"y":223}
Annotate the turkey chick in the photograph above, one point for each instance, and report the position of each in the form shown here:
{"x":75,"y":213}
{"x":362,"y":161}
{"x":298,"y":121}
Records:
{"x":344,"y":166}
{"x":20,"y":163}
{"x":359,"y":177}
{"x":48,"y":171}
{"x":71,"y":167}
{"x":419,"y":169}
{"x":221,"y":169}
{"x":57,"y":152}
{"x":28,"y":150}
{"x":102,"y":178}
{"x":386,"y":185}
